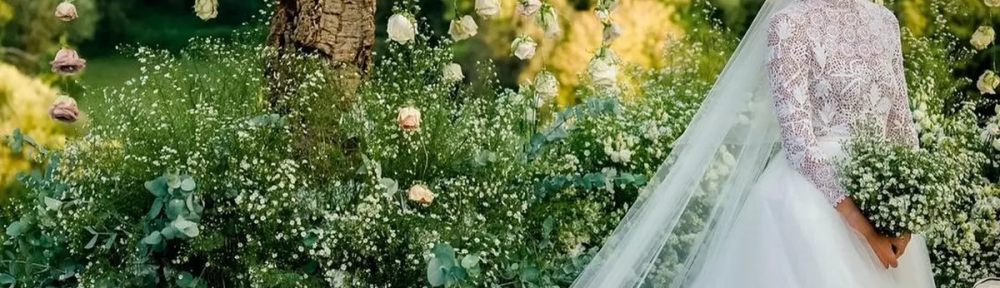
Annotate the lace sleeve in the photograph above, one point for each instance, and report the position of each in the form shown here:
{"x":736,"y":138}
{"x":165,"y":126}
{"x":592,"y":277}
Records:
{"x":900,"y":127}
{"x":788,"y":69}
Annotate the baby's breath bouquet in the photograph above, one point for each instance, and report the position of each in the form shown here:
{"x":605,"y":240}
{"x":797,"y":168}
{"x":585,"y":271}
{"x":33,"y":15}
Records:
{"x":900,"y":189}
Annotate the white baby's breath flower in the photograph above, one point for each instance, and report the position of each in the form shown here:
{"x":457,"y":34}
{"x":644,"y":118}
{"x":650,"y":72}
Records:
{"x":463,"y":28}
{"x":523,"y":47}
{"x":401,"y":29}
{"x":487,"y":8}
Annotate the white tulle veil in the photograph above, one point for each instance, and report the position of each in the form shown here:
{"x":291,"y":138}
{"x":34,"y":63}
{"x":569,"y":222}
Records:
{"x":694,"y":198}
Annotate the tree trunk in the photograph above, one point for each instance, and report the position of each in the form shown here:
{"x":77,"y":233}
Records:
{"x":342,"y":31}
{"x":339,"y":31}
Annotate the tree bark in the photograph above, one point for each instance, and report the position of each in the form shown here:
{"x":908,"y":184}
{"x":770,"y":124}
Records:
{"x":342,"y":31}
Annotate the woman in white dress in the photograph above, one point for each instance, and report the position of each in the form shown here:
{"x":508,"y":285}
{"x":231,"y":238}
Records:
{"x":750,"y":196}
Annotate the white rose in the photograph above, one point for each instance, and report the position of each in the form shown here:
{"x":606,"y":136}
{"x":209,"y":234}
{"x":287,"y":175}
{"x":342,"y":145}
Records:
{"x":546,"y":85}
{"x":66,"y":11}
{"x":488,"y":8}
{"x":549,"y":21}
{"x":983,"y":37}
{"x":453,"y":73}
{"x":463,"y":28}
{"x":612,"y":32}
{"x":408,"y":119}
{"x":206,"y":9}
{"x":401,"y":29}
{"x":988,"y":82}
{"x":603,"y":73}
{"x":528,"y":7}
{"x":420,"y":194}
{"x":604,"y":16}
{"x":523,"y":47}
{"x":996,"y":144}
{"x":992,"y":3}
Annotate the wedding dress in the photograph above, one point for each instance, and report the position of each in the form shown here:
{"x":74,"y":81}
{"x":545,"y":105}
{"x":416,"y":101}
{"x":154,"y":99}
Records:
{"x":729,"y":211}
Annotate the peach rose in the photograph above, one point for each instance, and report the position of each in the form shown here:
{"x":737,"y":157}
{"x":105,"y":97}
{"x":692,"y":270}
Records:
{"x":420,"y":194}
{"x":409,"y":119}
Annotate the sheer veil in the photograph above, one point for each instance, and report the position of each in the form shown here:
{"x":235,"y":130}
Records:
{"x":694,"y":198}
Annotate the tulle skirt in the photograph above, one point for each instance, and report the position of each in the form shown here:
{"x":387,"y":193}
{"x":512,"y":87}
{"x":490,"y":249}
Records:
{"x":788,"y":235}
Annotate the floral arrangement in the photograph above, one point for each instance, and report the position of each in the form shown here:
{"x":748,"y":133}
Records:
{"x":422,"y":177}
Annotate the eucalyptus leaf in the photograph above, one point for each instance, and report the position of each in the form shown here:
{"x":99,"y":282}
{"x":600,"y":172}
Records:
{"x":111,"y":241}
{"x":156,"y":209}
{"x":445,"y":254}
{"x":435,"y":274}
{"x":391,"y":186}
{"x":153,"y":238}
{"x":52,"y":204}
{"x":7,"y":279}
{"x":188,"y":184}
{"x":14,"y":229}
{"x":176,"y":208}
{"x":158,"y":187}
{"x":186,"y":227}
{"x":470,"y":261}
{"x":170,"y":232}
{"x":186,"y":280}
{"x":92,"y":242}
{"x":173,"y":181}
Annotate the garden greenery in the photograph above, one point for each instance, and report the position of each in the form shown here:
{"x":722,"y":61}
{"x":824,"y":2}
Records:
{"x":227,"y":165}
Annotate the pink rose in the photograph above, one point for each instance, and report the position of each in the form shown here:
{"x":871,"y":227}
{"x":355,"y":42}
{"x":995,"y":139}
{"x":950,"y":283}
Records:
{"x":64,"y":110}
{"x":420,"y":194}
{"x":66,"y":11}
{"x":67,"y":62}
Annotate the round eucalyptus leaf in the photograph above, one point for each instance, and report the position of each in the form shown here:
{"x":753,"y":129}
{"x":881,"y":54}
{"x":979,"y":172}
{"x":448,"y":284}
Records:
{"x":435,"y":274}
{"x":188,"y":184}
{"x":153,"y":239}
{"x":470,"y":261}
{"x":176,"y":208}
{"x":186,"y":280}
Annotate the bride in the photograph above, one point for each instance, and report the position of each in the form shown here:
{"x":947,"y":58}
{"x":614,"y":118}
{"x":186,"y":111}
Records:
{"x":749,"y":197}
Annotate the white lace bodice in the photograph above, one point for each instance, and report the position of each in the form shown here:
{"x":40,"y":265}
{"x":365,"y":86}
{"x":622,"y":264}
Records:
{"x":833,"y":62}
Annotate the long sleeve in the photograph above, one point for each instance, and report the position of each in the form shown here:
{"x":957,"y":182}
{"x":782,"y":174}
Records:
{"x":900,"y":127}
{"x":788,"y":69}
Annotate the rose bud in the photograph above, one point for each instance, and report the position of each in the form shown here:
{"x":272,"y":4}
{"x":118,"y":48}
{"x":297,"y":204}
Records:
{"x":67,"y":62}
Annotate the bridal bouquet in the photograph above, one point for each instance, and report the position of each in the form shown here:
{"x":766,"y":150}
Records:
{"x":900,"y":189}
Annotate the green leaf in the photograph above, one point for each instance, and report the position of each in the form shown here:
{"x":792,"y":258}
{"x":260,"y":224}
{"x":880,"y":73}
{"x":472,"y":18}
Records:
{"x":18,"y":143}
{"x":186,"y":280}
{"x":156,"y":209}
{"x":529,"y":274}
{"x":173,"y":181}
{"x":310,"y":240}
{"x":391,"y":186}
{"x":548,"y":225}
{"x":435,"y":274}
{"x":52,"y":203}
{"x":7,"y":279}
{"x":153,"y":239}
{"x":457,"y":274}
{"x":158,"y":187}
{"x":175,"y":208}
{"x":445,"y":254}
{"x":188,"y":184}
{"x":170,"y":232}
{"x":186,"y":227}
{"x":14,"y":229}
{"x":93,"y":241}
{"x":111,"y":241}
{"x":470,"y":261}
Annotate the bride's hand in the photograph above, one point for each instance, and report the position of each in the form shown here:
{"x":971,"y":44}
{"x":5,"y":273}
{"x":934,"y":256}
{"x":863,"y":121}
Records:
{"x":883,"y":246}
